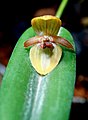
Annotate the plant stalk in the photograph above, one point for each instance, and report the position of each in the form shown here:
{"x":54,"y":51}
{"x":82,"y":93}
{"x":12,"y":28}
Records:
{"x":61,"y":8}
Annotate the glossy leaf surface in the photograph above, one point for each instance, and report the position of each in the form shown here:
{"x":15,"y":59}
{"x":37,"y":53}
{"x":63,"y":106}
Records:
{"x":26,"y":95}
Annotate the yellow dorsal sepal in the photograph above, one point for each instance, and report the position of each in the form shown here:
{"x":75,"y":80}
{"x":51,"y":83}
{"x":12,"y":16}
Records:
{"x":46,"y":25}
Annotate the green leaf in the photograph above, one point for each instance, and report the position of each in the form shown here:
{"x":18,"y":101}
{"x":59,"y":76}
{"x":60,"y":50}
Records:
{"x":26,"y":95}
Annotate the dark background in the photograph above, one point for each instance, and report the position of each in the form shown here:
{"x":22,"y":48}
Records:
{"x":15,"y":18}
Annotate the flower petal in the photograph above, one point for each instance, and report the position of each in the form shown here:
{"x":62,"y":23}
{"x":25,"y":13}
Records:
{"x":62,"y":41}
{"x":32,"y":41}
{"x":45,"y":60}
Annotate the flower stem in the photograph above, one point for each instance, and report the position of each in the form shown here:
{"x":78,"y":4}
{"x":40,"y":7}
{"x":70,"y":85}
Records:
{"x":61,"y":8}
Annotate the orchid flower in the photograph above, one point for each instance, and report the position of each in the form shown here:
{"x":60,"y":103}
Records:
{"x":46,"y":51}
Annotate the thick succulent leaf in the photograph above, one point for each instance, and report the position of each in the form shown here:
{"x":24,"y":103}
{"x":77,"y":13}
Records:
{"x":45,"y":60}
{"x":26,"y":95}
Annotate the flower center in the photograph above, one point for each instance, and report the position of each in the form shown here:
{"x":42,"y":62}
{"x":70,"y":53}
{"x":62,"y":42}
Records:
{"x":46,"y":41}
